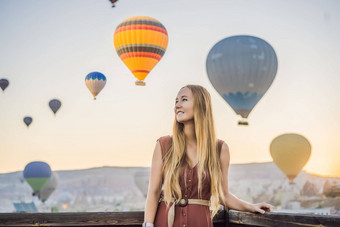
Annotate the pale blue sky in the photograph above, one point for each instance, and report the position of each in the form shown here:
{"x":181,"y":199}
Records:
{"x":48,"y":47}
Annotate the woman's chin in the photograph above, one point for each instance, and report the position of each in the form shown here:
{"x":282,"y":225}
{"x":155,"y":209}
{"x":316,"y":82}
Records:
{"x":180,"y":120}
{"x":183,"y":120}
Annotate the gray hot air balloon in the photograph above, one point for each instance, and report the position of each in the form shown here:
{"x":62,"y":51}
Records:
{"x":142,"y":181}
{"x":54,"y":104}
{"x":241,"y":69}
{"x":49,"y":188}
{"x":28,"y":120}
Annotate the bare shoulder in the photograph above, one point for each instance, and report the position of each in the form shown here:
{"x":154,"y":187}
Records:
{"x":158,"y":146}
{"x":157,"y":154}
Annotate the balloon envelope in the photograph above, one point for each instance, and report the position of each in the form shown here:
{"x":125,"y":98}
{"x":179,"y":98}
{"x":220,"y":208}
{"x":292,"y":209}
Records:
{"x":28,"y":121}
{"x":140,"y":43}
{"x":54,"y":104}
{"x":37,"y":174}
{"x":4,"y":84}
{"x":241,"y":69}
{"x":49,"y":188}
{"x":290,"y":152}
{"x":65,"y":199}
{"x":95,"y":82}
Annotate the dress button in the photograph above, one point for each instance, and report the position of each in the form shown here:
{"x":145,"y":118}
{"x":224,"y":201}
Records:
{"x":184,"y":214}
{"x":185,"y":196}
{"x":189,"y":180}
{"x":184,"y":225}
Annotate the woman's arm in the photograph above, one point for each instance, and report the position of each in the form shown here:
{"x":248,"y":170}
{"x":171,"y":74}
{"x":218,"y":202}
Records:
{"x":232,"y":201}
{"x":155,"y":185}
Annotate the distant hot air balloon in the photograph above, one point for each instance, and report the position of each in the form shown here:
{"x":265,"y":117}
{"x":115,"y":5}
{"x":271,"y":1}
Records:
{"x":65,"y":199}
{"x":290,"y":152}
{"x":142,"y":181}
{"x":48,"y":189}
{"x":4,"y":84}
{"x":95,"y":82}
{"x":28,"y":120}
{"x":37,"y":174}
{"x":113,"y":2}
{"x":54,"y":104}
{"x":140,"y":43}
{"x":241,"y":69}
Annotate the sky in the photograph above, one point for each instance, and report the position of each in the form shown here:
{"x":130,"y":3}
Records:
{"x":48,"y":47}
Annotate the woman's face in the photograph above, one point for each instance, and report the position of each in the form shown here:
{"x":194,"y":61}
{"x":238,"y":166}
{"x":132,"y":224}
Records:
{"x":184,"y":107}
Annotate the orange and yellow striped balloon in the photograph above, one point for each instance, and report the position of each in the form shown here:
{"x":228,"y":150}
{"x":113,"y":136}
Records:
{"x":140,"y":42}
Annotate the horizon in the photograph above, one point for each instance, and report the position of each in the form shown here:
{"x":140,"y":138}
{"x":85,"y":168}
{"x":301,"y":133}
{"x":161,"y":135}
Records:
{"x":249,"y":163}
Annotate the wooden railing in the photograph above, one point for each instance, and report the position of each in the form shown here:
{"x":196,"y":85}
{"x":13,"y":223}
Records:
{"x":224,"y":218}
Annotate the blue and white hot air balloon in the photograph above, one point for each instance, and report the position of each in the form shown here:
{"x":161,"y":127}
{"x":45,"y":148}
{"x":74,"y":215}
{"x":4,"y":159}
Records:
{"x":241,"y":69}
{"x":95,"y":82}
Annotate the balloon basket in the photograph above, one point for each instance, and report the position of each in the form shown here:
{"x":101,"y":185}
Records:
{"x":140,"y":83}
{"x":243,"y":123}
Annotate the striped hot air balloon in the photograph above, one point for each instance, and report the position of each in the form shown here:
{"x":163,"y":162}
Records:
{"x":140,"y":43}
{"x":4,"y":84}
{"x":95,"y":82}
{"x":45,"y":192}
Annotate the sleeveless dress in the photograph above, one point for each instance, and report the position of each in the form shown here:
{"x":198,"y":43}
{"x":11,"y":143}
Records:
{"x":191,"y":215}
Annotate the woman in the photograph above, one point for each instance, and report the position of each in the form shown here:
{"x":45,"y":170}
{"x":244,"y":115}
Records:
{"x":190,"y":169}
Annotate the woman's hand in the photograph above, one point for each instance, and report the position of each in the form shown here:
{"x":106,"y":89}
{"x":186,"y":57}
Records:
{"x":261,"y":208}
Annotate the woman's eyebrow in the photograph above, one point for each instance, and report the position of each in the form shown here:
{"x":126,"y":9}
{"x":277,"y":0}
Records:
{"x":183,"y":96}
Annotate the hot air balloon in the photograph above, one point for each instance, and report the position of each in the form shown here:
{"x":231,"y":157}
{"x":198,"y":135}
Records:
{"x":142,"y":181}
{"x":95,"y":82}
{"x":113,"y":2}
{"x":65,"y":199}
{"x":28,"y":120}
{"x":290,"y":152}
{"x":37,"y":174}
{"x":54,"y":104}
{"x":140,"y":43}
{"x":48,"y":189}
{"x":4,"y":84}
{"x":241,"y":69}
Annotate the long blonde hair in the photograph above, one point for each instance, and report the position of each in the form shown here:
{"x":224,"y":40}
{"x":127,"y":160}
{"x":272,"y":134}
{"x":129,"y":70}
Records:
{"x":207,"y":151}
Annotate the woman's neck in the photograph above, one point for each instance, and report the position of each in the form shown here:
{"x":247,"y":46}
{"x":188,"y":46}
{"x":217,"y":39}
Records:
{"x":190,"y":135}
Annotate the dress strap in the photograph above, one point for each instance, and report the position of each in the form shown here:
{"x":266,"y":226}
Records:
{"x":219,"y":144}
{"x":165,"y":142}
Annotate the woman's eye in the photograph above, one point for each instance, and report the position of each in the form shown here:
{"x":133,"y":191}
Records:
{"x":176,"y":102}
{"x":184,"y":99}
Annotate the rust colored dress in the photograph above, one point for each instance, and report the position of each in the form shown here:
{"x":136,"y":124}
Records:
{"x":191,"y":215}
